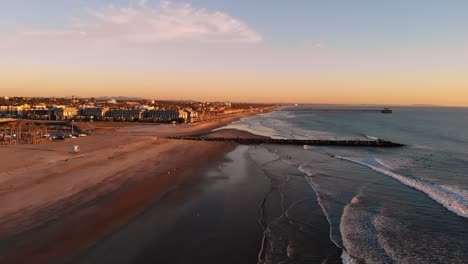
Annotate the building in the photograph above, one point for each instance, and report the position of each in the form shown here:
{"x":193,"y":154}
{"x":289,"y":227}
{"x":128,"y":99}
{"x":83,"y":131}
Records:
{"x":125,"y":114}
{"x":166,"y":115}
{"x":39,"y":114}
{"x":14,"y":110}
{"x":4,"y":110}
{"x":96,"y":113}
{"x":65,"y":113}
{"x":183,"y":115}
{"x":192,"y":116}
{"x":40,"y":106}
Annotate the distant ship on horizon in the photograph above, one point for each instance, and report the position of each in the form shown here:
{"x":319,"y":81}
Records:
{"x":387,"y":111}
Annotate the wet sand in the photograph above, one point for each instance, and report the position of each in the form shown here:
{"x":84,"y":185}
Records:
{"x":214,"y":219}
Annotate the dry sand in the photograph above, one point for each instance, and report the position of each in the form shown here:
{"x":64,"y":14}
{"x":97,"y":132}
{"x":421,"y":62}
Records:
{"x":54,"y":203}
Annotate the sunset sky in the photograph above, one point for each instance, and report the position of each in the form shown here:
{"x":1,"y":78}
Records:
{"x":304,"y":51}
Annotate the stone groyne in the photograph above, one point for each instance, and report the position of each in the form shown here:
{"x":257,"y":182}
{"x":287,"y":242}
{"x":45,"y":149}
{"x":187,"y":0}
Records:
{"x":312,"y":142}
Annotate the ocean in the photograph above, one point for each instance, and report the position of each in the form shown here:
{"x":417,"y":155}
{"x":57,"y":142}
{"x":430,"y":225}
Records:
{"x":363,"y":205}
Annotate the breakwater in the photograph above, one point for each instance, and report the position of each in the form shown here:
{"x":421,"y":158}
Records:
{"x":313,"y":142}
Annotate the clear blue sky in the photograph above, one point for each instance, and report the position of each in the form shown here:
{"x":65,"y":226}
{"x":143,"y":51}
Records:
{"x":345,"y":24}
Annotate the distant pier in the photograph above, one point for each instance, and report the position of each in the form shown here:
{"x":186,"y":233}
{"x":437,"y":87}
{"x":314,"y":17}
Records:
{"x":313,"y":142}
{"x":384,"y":110}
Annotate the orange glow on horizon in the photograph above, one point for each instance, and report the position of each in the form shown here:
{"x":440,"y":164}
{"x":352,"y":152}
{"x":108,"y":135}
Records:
{"x":449,"y":89}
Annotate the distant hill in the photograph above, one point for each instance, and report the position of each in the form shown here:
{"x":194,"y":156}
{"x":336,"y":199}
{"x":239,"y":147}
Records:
{"x":121,"y":98}
{"x":125,"y":98}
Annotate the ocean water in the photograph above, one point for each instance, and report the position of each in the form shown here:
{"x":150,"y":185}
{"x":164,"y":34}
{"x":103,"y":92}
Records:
{"x":399,"y":205}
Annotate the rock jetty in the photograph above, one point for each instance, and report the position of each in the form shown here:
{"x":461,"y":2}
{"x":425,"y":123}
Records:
{"x":313,"y":142}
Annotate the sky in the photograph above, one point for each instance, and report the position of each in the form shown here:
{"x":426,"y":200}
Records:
{"x":302,"y":51}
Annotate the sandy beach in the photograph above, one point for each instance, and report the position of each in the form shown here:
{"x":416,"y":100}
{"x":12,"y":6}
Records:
{"x":54,"y":203}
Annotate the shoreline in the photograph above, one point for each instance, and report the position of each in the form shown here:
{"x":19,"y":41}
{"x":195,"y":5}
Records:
{"x":51,"y":198}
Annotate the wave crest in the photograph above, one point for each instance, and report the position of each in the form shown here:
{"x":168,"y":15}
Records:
{"x":453,"y":201}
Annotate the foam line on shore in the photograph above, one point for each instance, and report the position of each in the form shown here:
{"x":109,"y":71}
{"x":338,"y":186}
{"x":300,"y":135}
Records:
{"x":304,"y":169}
{"x":346,"y":258}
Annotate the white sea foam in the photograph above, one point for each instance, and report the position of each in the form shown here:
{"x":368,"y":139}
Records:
{"x":276,"y":125}
{"x":450,"y":199}
{"x":347,"y":259}
{"x":307,"y":147}
{"x":360,"y":239}
{"x":372,"y":137}
{"x":404,"y":244}
{"x":458,"y":190}
{"x":422,"y":147}
{"x":385,"y":164}
{"x":355,"y":225}
{"x":309,"y":171}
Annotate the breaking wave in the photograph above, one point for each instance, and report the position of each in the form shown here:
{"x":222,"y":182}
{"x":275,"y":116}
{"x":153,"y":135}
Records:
{"x":335,"y":235}
{"x":453,"y":200}
{"x":372,"y":138}
{"x":359,"y":235}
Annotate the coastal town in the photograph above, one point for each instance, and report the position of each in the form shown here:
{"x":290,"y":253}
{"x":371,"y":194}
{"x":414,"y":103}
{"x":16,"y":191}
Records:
{"x":34,"y":120}
{"x":124,"y":109}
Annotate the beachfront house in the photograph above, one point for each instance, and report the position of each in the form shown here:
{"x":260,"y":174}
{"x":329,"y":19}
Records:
{"x":125,"y":114}
{"x":65,"y":113}
{"x":166,"y":115}
{"x":96,"y":113}
{"x":14,"y":110}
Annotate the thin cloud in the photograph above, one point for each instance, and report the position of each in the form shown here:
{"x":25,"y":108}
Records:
{"x":143,"y":22}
